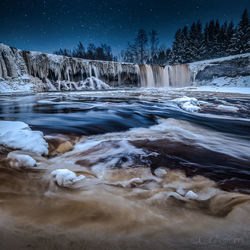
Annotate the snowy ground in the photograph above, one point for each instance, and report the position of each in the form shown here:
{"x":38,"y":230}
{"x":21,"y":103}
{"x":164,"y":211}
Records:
{"x":200,"y":65}
{"x":237,"y":90}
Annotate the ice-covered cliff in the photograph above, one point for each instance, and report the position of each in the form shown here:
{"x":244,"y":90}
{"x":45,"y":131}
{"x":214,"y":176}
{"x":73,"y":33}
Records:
{"x":53,"y":72}
{"x":35,"y":71}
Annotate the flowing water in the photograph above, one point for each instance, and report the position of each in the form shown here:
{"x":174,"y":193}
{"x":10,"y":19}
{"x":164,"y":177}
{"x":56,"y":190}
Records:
{"x":121,"y":139}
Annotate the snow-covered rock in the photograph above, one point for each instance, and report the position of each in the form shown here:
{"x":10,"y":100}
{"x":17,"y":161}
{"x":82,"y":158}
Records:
{"x":191,"y":195}
{"x":160,"y":172}
{"x":18,"y":135}
{"x":189,"y":104}
{"x":66,"y":178}
{"x":186,"y":99}
{"x":227,"y":108}
{"x":19,"y":161}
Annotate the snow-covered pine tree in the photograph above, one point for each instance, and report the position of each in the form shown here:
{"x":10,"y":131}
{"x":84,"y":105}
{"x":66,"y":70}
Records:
{"x":209,"y":38}
{"x":222,"y":40}
{"x":240,"y":42}
{"x":184,"y":45}
{"x":216,"y":40}
{"x":176,"y":48}
{"x":229,"y":35}
{"x":195,"y":43}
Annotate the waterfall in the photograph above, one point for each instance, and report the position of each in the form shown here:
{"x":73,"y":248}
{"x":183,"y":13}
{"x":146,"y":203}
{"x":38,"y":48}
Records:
{"x":53,"y":70}
{"x":179,"y":75}
{"x":158,"y":76}
{"x":147,"y":77}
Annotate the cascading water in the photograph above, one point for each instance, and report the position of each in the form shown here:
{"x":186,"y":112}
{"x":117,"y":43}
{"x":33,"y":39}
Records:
{"x":58,"y":69}
{"x":179,"y":75}
{"x":158,"y":76}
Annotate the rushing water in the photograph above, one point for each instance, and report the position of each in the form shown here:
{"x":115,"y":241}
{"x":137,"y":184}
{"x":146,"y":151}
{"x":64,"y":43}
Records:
{"x":121,"y":137}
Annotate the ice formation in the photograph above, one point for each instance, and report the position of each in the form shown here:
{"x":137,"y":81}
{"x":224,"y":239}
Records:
{"x":227,"y":108}
{"x":66,"y":177}
{"x":34,"y":71}
{"x":160,"y":172}
{"x":19,"y":161}
{"x":189,"y":104}
{"x":18,"y":135}
{"x":54,"y":70}
{"x":191,"y":195}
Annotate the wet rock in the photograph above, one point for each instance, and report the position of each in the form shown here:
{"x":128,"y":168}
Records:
{"x":59,"y":144}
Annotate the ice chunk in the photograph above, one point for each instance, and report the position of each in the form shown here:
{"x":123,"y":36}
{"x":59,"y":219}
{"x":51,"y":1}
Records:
{"x":20,"y":160}
{"x":66,"y":178}
{"x":228,"y":108}
{"x":186,"y":99}
{"x":18,"y":135}
{"x":160,"y":172}
{"x":188,"y":106}
{"x":191,"y":195}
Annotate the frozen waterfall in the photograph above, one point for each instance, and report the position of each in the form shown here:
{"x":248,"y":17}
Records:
{"x":167,"y":76}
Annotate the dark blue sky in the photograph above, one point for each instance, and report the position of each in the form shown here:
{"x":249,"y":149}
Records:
{"x":48,"y":25}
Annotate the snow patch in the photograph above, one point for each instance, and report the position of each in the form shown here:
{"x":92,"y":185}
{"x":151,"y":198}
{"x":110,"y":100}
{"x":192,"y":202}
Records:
{"x":18,"y":135}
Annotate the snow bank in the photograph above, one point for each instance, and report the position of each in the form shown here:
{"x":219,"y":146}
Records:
{"x":20,"y":160}
{"x":189,"y":104}
{"x":66,"y":178}
{"x":241,"y":81}
{"x":195,"y":67}
{"x":235,"y":90}
{"x":18,"y":135}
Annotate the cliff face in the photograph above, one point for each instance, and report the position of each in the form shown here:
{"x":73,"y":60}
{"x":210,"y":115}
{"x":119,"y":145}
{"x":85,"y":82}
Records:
{"x":52,"y":72}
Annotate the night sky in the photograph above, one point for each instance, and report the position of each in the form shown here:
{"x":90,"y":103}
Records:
{"x":48,"y":25}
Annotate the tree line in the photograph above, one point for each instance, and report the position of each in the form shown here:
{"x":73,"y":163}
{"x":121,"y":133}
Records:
{"x":190,"y":44}
{"x":92,"y":52}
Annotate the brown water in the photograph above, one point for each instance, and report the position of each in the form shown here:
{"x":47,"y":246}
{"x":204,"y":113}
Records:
{"x":122,"y":203}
